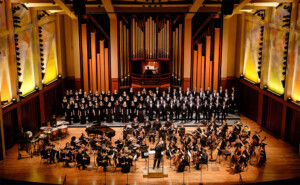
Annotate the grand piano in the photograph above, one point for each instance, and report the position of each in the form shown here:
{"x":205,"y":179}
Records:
{"x":100,"y":130}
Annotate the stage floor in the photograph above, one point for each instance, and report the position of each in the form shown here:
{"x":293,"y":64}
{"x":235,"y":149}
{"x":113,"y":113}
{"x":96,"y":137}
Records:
{"x":282,"y":163}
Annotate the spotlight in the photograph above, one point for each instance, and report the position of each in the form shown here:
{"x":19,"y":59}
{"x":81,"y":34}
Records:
{"x":15,"y":25}
{"x":19,"y":93}
{"x":18,"y":64}
{"x":16,"y":17}
{"x":16,"y":39}
{"x":262,"y":34}
{"x":40,"y":27}
{"x":46,"y":13}
{"x":16,"y":35}
{"x":260,"y":49}
{"x":40,"y":31}
{"x":242,"y":76}
{"x":261,"y":44}
{"x":42,"y":54}
{"x":24,"y":6}
{"x":18,"y":58}
{"x":16,"y":21}
{"x":43,"y":68}
{"x":19,"y":68}
{"x":16,"y":43}
{"x":285,"y":52}
{"x":284,"y":63}
{"x":260,"y":53}
{"x":259,"y":67}
{"x":41,"y":45}
{"x":265,"y":87}
{"x":259,"y":58}
{"x":14,"y":100}
{"x":36,"y":88}
{"x":284,"y":73}
{"x":284,"y":68}
{"x":17,"y":48}
{"x":286,"y":47}
{"x":41,"y":50}
{"x":19,"y":74}
{"x":285,"y":57}
{"x":259,"y":63}
{"x":40,"y":35}
{"x":42,"y":64}
{"x":59,"y":76}
{"x":262,"y":27}
{"x":17,"y":53}
{"x":41,"y":40}
{"x":42,"y":59}
{"x":289,"y":99}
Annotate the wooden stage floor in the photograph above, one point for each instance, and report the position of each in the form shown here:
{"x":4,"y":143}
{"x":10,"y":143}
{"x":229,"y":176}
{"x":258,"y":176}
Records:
{"x":283,"y":162}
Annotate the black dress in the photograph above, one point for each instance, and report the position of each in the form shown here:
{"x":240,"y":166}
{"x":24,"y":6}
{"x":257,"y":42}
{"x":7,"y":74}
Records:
{"x":97,"y":114}
{"x":102,"y":109}
{"x":117,"y":113}
{"x":125,"y":115}
{"x":109,"y":113}
{"x":140,"y":112}
{"x":68,"y":114}
{"x":76,"y":115}
{"x":82,"y":117}
{"x":132,"y":112}
{"x":91,"y":113}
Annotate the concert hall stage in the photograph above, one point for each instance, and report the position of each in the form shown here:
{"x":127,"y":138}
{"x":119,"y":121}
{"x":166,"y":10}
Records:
{"x":282,"y":163}
{"x":231,"y":118}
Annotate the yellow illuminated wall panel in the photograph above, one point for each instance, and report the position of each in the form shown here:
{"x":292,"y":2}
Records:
{"x":5,"y":87}
{"x":50,"y":56}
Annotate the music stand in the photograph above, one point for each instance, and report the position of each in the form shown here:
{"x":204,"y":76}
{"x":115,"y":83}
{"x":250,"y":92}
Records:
{"x":170,"y":158}
{"x":146,"y":154}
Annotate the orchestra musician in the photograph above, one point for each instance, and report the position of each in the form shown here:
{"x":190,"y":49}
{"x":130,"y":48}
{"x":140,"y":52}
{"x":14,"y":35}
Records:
{"x":158,"y":154}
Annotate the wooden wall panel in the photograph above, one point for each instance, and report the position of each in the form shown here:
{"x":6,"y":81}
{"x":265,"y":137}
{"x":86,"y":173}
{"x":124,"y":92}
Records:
{"x":102,"y":67}
{"x":106,"y":69}
{"x":216,"y":63}
{"x":195,"y":58}
{"x":207,"y":61}
{"x":85,"y":58}
{"x":210,"y":75}
{"x":10,"y":124}
{"x":52,"y":100}
{"x":292,"y":134}
{"x":199,"y":67}
{"x":115,"y":84}
{"x":93,"y":58}
{"x":272,"y":115}
{"x":249,"y":102}
{"x":30,"y":115}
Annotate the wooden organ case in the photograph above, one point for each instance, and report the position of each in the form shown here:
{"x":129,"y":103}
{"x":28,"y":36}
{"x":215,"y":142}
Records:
{"x":150,"y":42}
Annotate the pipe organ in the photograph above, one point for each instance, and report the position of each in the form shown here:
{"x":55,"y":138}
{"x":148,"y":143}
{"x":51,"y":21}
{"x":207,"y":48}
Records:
{"x":177,"y":55}
{"x":150,"y":41}
{"x":125,"y":52}
{"x":95,"y":59}
{"x":206,"y":57}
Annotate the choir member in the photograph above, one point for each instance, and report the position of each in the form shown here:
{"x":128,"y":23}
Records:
{"x":125,"y":112}
{"x":109,"y":113}
{"x":117,"y":111}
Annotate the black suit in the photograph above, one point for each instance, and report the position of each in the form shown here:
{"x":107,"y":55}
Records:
{"x":190,"y":111}
{"x":149,"y":110}
{"x":165,"y":108}
{"x":205,"y":111}
{"x":224,"y":111}
{"x":157,"y":157}
{"x":183,"y":113}
{"x":158,"y":110}
{"x":217,"y":110}
{"x":198,"y":110}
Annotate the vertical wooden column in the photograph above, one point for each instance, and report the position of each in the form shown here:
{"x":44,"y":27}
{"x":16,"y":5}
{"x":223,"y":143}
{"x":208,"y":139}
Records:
{"x":106,"y":69}
{"x":93,"y":58}
{"x":202,"y":72}
{"x":291,"y":55}
{"x":207,"y":61}
{"x":199,"y":66}
{"x":102,"y":73}
{"x":2,"y":147}
{"x":85,"y":69}
{"x":210,"y":75}
{"x":195,"y":58}
{"x":90,"y":81}
{"x":216,"y":62}
{"x":12,"y":50}
{"x":98,"y":73}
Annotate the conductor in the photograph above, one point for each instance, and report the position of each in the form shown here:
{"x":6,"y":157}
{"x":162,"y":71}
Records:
{"x":158,"y":150}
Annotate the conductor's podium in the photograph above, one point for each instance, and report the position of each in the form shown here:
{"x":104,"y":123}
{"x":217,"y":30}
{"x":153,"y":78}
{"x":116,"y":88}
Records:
{"x":149,"y":172}
{"x":155,"y":173}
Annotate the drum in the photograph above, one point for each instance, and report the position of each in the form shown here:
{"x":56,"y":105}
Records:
{"x":246,"y":131}
{"x":54,"y":134}
{"x":59,"y":123}
{"x":43,"y":136}
{"x":63,"y":130}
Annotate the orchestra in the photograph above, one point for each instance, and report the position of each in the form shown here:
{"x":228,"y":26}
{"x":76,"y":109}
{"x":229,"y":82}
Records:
{"x":211,"y":140}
